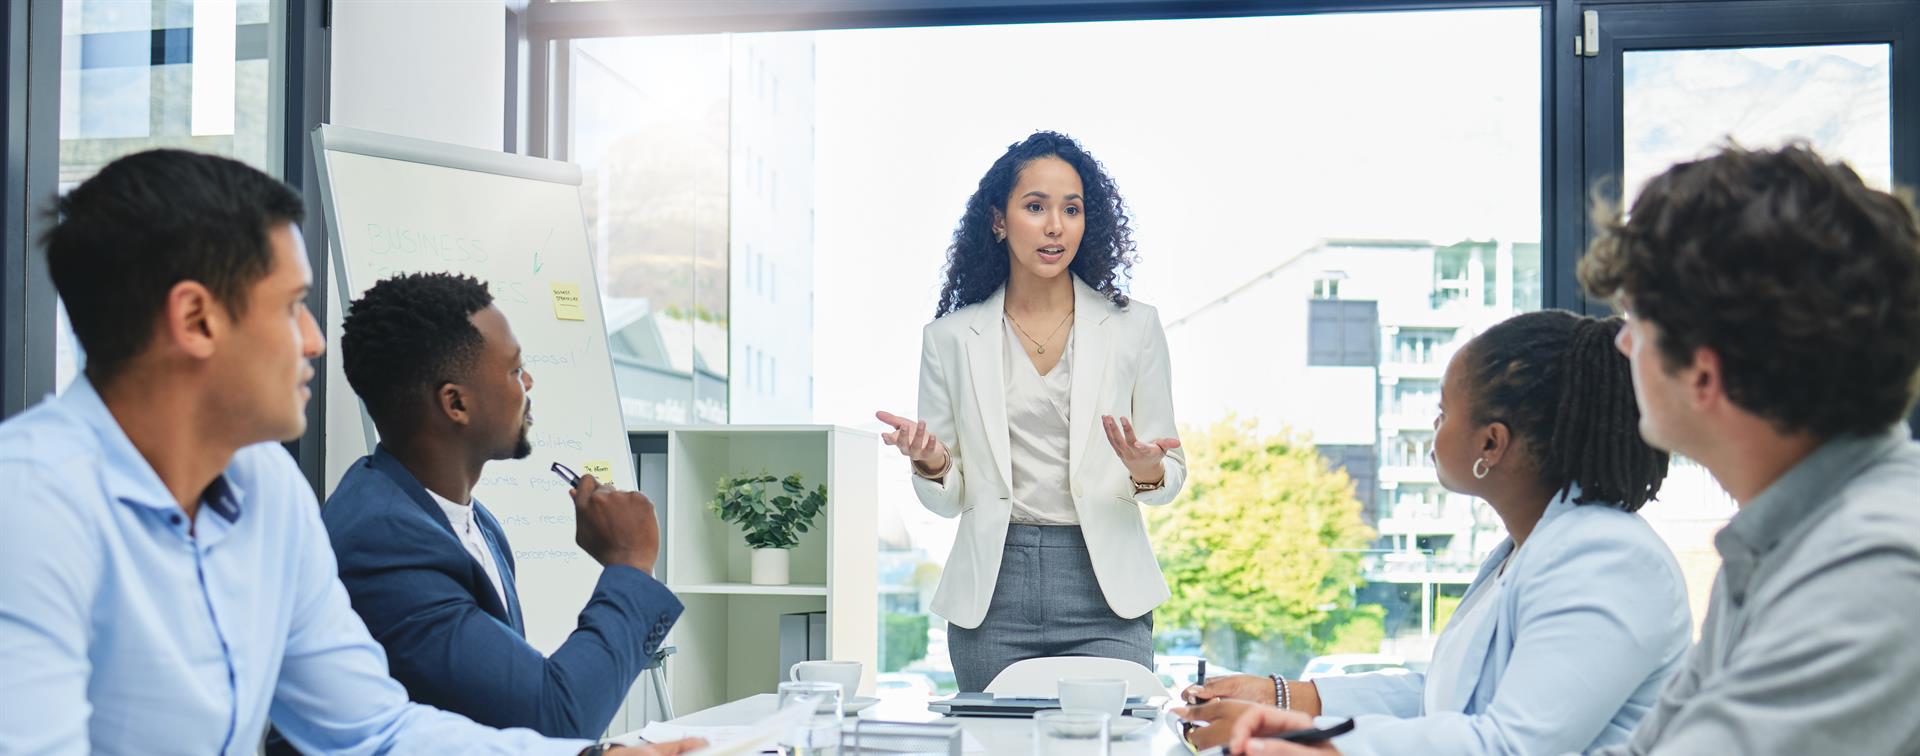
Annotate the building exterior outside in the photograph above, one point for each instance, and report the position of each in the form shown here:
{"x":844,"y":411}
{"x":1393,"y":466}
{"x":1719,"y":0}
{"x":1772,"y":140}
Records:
{"x":1350,"y":340}
{"x":771,"y":301}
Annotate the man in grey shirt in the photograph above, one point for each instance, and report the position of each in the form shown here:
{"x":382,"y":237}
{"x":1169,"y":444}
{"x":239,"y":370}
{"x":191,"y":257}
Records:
{"x":1774,"y":331}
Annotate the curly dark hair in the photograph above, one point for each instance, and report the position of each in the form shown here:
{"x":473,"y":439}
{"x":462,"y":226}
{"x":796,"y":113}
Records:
{"x":405,"y":338}
{"x":1557,"y":381}
{"x":145,"y":223}
{"x":977,"y":265}
{"x":1804,"y":281}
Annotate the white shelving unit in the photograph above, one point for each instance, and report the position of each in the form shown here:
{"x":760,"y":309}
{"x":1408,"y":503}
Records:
{"x":728,"y":637}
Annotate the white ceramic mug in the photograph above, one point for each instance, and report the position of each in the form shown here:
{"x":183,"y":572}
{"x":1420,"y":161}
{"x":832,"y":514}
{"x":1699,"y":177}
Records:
{"x":847,"y":673}
{"x":1108,"y":696}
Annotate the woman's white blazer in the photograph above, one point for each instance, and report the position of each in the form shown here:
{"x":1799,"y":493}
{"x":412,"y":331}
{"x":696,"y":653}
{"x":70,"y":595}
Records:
{"x":1119,"y":368}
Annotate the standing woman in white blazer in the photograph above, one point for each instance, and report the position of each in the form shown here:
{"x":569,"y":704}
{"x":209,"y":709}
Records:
{"x":1046,"y":420}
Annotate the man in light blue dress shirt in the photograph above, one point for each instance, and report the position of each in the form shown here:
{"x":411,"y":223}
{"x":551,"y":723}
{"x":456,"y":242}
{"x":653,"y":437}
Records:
{"x":168,"y":585}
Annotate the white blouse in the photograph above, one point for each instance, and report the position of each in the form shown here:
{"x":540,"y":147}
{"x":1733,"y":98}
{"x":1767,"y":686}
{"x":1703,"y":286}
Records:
{"x":1038,"y":426}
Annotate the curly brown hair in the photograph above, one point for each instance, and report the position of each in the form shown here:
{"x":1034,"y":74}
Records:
{"x":1804,"y":281}
{"x":977,"y":264}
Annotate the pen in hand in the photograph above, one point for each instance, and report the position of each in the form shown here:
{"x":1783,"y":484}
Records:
{"x":1193,"y":693}
{"x":614,"y":527}
{"x":1199,"y":681}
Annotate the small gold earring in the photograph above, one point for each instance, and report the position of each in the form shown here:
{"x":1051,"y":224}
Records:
{"x":999,"y":236}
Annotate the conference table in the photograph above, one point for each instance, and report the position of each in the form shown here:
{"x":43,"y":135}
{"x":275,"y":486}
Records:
{"x":996,"y":736}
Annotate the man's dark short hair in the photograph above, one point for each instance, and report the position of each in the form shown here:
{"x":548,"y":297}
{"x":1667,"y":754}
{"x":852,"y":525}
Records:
{"x":408,"y":336}
{"x":146,"y":222}
{"x":1802,"y":279}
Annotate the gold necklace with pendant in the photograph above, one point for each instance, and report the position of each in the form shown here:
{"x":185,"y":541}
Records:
{"x":1038,"y":343}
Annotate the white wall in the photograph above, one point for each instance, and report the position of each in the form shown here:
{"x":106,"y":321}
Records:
{"x":431,"y":69}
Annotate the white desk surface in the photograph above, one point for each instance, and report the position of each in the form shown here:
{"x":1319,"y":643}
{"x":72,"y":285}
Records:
{"x":1000,"y":736}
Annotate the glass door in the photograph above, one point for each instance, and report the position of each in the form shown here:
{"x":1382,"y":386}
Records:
{"x":1671,"y":82}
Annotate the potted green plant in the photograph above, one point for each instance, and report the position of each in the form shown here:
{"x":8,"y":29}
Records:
{"x":772,"y":524}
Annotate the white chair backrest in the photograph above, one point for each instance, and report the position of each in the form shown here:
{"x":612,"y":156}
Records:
{"x":1040,"y":678}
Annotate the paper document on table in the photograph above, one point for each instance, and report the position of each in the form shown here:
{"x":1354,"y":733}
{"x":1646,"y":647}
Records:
{"x":662,"y":732}
{"x":730,"y":739}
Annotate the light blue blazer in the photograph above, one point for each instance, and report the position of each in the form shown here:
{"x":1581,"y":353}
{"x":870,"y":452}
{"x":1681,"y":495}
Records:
{"x":1592,"y":621}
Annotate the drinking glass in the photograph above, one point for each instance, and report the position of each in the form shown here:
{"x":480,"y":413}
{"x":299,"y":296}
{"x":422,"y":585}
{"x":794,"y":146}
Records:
{"x":819,"y":733}
{"x":1071,"y":733}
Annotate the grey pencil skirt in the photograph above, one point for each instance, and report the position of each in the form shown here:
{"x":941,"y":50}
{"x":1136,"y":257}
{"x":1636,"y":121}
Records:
{"x":1046,"y":602}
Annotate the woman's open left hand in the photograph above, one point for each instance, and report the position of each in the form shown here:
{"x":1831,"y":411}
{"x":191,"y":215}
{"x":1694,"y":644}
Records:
{"x":1142,"y":458}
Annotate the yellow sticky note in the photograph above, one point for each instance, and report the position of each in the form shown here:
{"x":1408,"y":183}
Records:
{"x":566,"y":302}
{"x":601,"y":471}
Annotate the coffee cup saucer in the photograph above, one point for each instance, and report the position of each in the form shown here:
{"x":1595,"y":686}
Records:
{"x":1117,"y":727}
{"x":853,"y":704}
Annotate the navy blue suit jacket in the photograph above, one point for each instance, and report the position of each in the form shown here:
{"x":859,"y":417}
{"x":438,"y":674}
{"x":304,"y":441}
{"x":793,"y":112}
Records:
{"x":457,"y":646}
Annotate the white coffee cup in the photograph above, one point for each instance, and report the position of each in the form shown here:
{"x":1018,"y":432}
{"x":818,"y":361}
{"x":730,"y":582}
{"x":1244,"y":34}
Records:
{"x":846,"y":673}
{"x":1102,"y":695}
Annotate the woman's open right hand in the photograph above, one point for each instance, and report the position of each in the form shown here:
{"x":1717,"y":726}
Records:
{"x":914,"y":442}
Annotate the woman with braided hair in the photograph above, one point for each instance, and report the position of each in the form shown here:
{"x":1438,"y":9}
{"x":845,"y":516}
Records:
{"x":1564,"y":640}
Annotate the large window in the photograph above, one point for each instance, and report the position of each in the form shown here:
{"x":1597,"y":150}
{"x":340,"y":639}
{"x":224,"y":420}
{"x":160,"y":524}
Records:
{"x":1272,"y":166}
{"x":1328,"y":207}
{"x":699,"y":156}
{"x":1679,"y":104}
{"x":185,"y":74}
{"x":651,"y":130}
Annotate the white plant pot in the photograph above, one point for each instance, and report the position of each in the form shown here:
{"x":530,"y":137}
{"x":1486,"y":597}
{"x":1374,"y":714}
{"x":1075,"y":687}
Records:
{"x":769,"y":566}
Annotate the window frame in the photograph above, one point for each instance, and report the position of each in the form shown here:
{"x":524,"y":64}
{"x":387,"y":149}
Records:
{"x":32,"y":130}
{"x":540,"y":83}
{"x":1575,"y":126}
{"x":307,"y":49}
{"x":1572,"y":143}
{"x":30,"y":125}
{"x":539,"y":30}
{"x":1640,"y":25}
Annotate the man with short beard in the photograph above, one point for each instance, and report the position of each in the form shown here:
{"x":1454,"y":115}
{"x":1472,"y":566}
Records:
{"x":429,"y":568}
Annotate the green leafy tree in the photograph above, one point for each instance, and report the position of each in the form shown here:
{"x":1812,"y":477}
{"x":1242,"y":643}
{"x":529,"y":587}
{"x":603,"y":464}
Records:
{"x":1443,"y":608}
{"x":906,"y":641}
{"x":1360,"y":632}
{"x":1263,"y":541}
